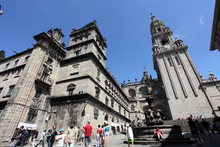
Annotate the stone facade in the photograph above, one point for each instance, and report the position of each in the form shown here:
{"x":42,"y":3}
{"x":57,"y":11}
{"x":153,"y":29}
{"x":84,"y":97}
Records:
{"x":138,"y":91}
{"x":53,"y":85}
{"x":182,"y":83}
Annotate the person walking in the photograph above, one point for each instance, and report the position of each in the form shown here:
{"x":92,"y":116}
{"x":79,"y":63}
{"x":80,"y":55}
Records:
{"x":207,"y":127}
{"x":107,"y":133}
{"x":130,"y":136}
{"x":24,"y":138}
{"x":52,"y":137}
{"x":43,"y":134}
{"x":88,"y":133}
{"x":194,"y":130}
{"x":98,"y":136}
{"x":60,"y":139}
{"x":71,"y":134}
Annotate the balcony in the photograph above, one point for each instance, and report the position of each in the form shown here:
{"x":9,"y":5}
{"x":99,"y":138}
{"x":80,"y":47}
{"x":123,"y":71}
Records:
{"x":44,"y":80}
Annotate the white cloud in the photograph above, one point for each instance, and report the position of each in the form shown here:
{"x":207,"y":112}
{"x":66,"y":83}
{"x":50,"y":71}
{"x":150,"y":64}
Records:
{"x":201,"y":19}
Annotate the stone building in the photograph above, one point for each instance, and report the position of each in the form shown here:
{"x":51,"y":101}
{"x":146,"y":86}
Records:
{"x":53,"y":85}
{"x":139,"y":91}
{"x":185,"y":91}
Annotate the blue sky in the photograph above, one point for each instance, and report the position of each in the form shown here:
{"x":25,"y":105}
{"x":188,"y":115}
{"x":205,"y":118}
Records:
{"x":124,"y":23}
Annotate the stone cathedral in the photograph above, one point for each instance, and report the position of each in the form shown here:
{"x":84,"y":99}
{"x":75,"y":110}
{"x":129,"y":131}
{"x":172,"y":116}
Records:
{"x":50,"y":84}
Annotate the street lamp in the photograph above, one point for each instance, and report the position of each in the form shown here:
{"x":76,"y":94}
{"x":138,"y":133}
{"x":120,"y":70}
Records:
{"x":1,"y":12}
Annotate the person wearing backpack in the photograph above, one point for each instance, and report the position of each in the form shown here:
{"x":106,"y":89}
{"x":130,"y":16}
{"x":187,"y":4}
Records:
{"x":107,"y":132}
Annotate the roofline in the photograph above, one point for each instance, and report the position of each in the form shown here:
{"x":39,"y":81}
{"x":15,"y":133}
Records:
{"x":18,"y":54}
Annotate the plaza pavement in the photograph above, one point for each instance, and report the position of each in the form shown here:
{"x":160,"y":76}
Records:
{"x":117,"y":141}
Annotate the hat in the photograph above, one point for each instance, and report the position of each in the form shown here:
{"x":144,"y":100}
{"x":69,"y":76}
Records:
{"x":61,"y":130}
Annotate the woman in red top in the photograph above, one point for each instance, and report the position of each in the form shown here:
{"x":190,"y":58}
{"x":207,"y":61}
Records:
{"x":98,"y":136}
{"x":159,"y":134}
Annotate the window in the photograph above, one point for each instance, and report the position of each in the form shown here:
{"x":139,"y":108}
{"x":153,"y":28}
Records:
{"x":38,"y":93}
{"x":26,"y":58}
{"x":11,"y":88}
{"x":177,"y":60}
{"x":71,"y":88}
{"x":6,"y":66}
{"x":119,"y":107}
{"x":99,"y":57}
{"x":49,"y":61}
{"x":98,"y":73}
{"x":96,"y":113}
{"x":7,"y":75}
{"x":132,"y":92}
{"x":106,"y":117}
{"x":32,"y":114}
{"x":125,"y":112}
{"x":132,"y":107}
{"x":169,"y":60}
{"x":106,"y":101}
{"x":16,"y":63}
{"x":97,"y":92}
{"x":77,"y":53}
{"x":44,"y":76}
{"x":164,"y":41}
{"x":112,"y":103}
{"x":1,"y":90}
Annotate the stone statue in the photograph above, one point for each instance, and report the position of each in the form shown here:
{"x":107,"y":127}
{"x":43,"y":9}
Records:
{"x":153,"y":117}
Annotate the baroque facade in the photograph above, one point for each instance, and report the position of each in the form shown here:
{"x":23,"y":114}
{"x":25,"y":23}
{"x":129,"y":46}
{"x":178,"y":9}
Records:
{"x":53,"y":85}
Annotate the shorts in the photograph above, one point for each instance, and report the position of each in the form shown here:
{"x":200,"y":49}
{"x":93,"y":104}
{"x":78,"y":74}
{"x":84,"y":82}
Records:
{"x":87,"y":140}
{"x":106,"y":133}
{"x":130,"y":140}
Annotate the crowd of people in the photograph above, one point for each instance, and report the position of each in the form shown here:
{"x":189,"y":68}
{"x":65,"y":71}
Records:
{"x":201,"y":128}
{"x":61,"y":138}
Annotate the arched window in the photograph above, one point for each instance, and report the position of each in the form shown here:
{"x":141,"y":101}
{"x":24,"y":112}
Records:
{"x":71,"y":88}
{"x":132,"y":92}
{"x":143,"y":91}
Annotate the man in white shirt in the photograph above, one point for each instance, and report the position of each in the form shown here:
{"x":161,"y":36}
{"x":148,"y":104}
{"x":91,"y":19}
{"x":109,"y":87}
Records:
{"x":130,"y":136}
{"x":60,"y":139}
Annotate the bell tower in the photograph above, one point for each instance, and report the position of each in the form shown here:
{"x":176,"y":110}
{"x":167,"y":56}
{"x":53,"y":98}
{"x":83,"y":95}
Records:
{"x":178,"y":74}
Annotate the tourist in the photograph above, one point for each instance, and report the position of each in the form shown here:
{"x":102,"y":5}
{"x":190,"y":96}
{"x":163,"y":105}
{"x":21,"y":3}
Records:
{"x":60,"y":139}
{"x":130,"y":136}
{"x":43,"y":134}
{"x":49,"y":136}
{"x":102,"y":135}
{"x":71,"y":134}
{"x":194,"y":129}
{"x":82,"y":135}
{"x":19,"y":135}
{"x":88,"y":133}
{"x":207,"y":127}
{"x":159,"y":134}
{"x":52,"y":137}
{"x":98,"y":136}
{"x":107,"y":133}
{"x":24,"y":138}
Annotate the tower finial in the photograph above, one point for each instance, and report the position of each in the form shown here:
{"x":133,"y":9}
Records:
{"x":152,"y":16}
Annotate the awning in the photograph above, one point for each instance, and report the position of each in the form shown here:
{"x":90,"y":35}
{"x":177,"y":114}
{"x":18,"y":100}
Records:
{"x":28,"y":126}
{"x":114,"y":124}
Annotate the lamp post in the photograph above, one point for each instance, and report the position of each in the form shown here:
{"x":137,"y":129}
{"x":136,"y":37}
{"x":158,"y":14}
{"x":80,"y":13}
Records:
{"x":1,"y":12}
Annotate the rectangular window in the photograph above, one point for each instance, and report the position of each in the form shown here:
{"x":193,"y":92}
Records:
{"x":16,"y":63}
{"x":106,"y":101}
{"x":6,"y":66}
{"x":98,"y":73}
{"x":44,"y":76}
{"x":26,"y":58}
{"x":1,"y":90}
{"x":177,"y":60}
{"x":112,"y":103}
{"x":119,"y":107}
{"x":169,"y":60}
{"x":11,"y":88}
{"x":18,"y":72}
